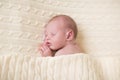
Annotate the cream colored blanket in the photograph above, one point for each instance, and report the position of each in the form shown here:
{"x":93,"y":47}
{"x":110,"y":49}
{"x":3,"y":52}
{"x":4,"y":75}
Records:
{"x":71,"y":67}
{"x":21,"y":26}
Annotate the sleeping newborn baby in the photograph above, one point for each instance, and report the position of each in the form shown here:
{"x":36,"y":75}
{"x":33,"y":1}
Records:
{"x":60,"y":34}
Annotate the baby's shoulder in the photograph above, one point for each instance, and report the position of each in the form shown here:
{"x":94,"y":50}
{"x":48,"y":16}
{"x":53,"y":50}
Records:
{"x":68,"y":50}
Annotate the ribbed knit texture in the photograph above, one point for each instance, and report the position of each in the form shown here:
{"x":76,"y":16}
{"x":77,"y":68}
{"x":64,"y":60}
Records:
{"x":22,"y":22}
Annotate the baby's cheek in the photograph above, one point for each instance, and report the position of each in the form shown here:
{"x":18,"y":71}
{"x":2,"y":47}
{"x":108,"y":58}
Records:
{"x":54,"y":45}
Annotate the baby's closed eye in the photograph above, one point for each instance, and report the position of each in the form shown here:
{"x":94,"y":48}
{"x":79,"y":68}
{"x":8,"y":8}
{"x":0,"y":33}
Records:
{"x":52,"y":34}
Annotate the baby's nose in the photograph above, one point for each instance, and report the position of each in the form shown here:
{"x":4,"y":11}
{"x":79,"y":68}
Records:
{"x":46,"y":38}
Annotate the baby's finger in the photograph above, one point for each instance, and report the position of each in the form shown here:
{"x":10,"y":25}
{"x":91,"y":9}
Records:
{"x":46,"y":47}
{"x":42,"y":51}
{"x":43,"y":48}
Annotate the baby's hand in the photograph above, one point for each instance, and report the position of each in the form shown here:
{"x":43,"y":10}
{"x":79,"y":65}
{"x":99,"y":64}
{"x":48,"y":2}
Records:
{"x":45,"y":50}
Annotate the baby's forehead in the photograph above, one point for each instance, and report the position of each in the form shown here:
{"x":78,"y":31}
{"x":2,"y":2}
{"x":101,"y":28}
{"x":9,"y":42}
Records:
{"x":53,"y":26}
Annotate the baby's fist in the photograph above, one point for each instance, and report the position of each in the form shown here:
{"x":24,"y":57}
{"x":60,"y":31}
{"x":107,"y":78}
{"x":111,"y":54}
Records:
{"x":45,"y":50}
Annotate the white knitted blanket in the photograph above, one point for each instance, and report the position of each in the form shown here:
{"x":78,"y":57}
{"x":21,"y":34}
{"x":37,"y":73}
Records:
{"x":71,"y":67}
{"x":21,"y":26}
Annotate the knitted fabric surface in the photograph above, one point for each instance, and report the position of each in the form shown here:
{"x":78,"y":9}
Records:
{"x":21,"y":27}
{"x":72,"y":67}
{"x":22,"y":22}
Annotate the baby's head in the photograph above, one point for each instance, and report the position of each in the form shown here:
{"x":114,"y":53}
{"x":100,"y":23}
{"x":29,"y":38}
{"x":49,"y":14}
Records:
{"x":60,"y":30}
{"x":67,"y":22}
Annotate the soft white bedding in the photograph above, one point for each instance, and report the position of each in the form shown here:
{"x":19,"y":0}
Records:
{"x":71,"y":67}
{"x":21,"y":25}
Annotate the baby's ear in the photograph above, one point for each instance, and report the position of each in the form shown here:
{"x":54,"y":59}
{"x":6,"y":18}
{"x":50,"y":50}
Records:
{"x":69,"y":35}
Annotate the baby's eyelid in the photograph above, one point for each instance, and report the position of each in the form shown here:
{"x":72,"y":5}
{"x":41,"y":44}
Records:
{"x":51,"y":34}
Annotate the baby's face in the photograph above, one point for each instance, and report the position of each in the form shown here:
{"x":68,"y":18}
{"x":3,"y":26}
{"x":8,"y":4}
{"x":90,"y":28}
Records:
{"x":55,"y":35}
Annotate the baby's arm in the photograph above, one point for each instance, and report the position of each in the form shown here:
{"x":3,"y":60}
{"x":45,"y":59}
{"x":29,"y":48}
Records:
{"x":45,"y":51}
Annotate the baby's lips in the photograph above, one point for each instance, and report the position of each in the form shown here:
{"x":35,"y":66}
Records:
{"x":47,"y":43}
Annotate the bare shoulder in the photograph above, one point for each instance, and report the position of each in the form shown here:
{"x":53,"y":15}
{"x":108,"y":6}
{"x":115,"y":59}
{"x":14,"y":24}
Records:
{"x":71,"y":49}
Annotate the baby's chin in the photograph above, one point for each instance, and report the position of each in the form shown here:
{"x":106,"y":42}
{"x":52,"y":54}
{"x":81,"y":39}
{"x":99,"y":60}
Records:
{"x":53,"y":49}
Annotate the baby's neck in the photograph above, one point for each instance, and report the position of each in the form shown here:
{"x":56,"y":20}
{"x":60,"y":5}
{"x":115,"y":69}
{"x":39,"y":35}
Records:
{"x":70,"y":48}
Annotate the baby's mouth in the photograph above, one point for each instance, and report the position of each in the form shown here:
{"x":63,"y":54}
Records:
{"x":48,"y":44}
